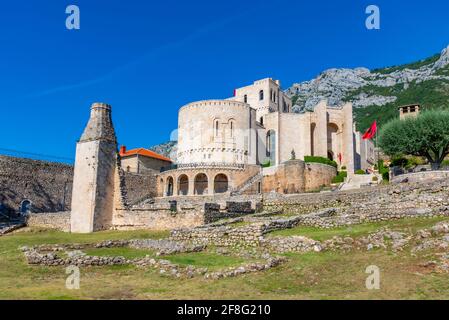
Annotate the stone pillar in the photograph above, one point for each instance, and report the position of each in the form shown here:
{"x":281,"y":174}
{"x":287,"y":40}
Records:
{"x":348,"y":138}
{"x":210,"y":185}
{"x":320,"y":142}
{"x":191,"y":191}
{"x":95,"y":165}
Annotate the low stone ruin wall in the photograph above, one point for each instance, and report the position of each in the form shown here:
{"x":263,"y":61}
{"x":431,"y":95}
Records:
{"x":59,"y":220}
{"x":420,"y":177}
{"x":157,"y":219}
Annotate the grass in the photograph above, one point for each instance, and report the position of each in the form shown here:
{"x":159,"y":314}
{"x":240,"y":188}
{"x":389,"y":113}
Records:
{"x":411,"y":224}
{"x":127,"y":253}
{"x":326,"y":275}
{"x":205,"y":260}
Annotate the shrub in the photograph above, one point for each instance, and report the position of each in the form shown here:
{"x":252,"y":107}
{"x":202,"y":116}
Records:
{"x":445,"y":163}
{"x":312,"y":159}
{"x":340,"y":177}
{"x":343,"y":168}
{"x":266,"y":164}
{"x":360,"y":171}
{"x":384,"y":171}
{"x":375,"y":179}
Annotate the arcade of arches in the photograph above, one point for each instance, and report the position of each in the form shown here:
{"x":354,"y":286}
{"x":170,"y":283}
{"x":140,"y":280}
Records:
{"x":201,"y":184}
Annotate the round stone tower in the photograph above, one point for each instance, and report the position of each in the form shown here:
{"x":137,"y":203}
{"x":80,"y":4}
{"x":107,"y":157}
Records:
{"x":95,"y":163}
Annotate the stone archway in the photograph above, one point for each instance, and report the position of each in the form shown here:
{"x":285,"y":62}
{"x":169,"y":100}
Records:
{"x":183,"y":185}
{"x":25,"y":207}
{"x":201,"y":184}
{"x":333,"y":141}
{"x":221,"y":183}
{"x":169,"y":187}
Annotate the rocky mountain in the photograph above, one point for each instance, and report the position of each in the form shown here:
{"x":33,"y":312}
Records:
{"x":168,"y":149}
{"x":375,"y":94}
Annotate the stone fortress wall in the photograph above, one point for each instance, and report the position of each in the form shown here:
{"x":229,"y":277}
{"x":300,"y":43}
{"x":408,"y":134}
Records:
{"x":47,"y":185}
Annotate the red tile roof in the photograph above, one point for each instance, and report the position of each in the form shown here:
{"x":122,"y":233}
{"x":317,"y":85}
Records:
{"x":143,"y":152}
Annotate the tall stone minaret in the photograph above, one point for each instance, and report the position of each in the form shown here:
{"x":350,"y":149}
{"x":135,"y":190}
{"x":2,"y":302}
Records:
{"x":93,"y":182}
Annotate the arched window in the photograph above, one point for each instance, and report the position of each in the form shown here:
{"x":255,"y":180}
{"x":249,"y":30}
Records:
{"x":271,"y":146}
{"x":128,"y":169}
{"x":261,"y":95}
{"x":216,"y":128}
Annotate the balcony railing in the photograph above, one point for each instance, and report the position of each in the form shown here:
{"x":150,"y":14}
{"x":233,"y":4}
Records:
{"x":203,"y":165}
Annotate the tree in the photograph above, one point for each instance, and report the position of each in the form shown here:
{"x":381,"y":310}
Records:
{"x":426,"y":136}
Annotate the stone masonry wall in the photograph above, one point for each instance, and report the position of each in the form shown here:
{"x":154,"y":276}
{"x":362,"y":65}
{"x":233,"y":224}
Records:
{"x":47,"y":185}
{"x":140,"y":186}
{"x":57,"y":220}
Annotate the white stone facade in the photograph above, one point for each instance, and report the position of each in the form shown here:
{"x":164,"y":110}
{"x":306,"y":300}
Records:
{"x":257,"y":125}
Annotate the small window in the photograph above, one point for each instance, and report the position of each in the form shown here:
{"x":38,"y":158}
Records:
{"x":261,"y":120}
{"x":232,"y":129}
{"x":128,"y":169}
{"x":261,"y":97}
{"x":245,"y":98}
{"x":216,"y":128}
{"x":412,"y":109}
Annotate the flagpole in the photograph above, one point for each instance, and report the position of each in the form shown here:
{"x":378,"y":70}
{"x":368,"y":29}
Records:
{"x":377,"y":150}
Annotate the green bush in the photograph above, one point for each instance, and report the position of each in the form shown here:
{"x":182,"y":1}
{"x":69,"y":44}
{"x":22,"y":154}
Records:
{"x":343,"y":168}
{"x":375,"y":179}
{"x":384,"y":171}
{"x":312,"y":159}
{"x":340,"y":177}
{"x":360,"y":171}
{"x":445,"y":163}
{"x":266,"y":164}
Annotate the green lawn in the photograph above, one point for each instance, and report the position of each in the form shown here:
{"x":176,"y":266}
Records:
{"x":127,"y":253}
{"x":325,"y":275}
{"x":359,"y":229}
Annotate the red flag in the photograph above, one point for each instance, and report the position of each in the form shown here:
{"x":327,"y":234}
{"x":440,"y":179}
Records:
{"x":340,"y":157}
{"x":371,"y":132}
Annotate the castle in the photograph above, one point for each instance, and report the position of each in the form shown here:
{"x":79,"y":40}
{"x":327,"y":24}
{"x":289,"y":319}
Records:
{"x":232,"y":153}
{"x":223,"y":144}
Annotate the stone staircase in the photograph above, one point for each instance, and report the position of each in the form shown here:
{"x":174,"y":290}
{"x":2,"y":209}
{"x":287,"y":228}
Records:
{"x":248,"y":184}
{"x":359,"y":181}
{"x":11,"y":225}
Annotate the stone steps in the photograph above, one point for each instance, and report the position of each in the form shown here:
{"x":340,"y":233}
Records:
{"x":250,"y":182}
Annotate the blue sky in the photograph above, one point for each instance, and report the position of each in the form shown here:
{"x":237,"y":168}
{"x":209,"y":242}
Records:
{"x":148,"y":58}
